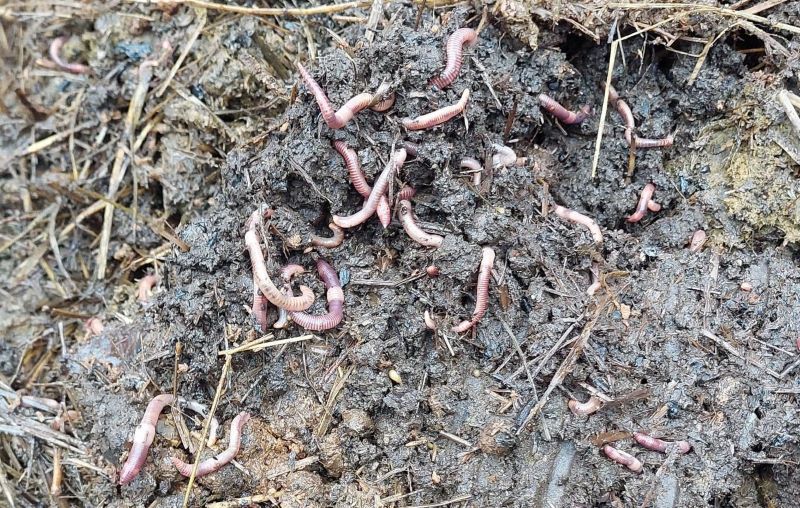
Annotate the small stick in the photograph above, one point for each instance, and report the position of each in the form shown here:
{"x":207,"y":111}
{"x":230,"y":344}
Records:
{"x":439,"y":116}
{"x":785,"y":100}
{"x":474,"y":165}
{"x":579,"y":218}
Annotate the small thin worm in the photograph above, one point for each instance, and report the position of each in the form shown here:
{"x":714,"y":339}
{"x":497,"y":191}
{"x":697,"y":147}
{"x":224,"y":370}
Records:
{"x":579,"y":218}
{"x":335,"y":298}
{"x":332,"y":242}
{"x":630,"y":124}
{"x":585,"y":408}
{"x":439,"y":116}
{"x":591,"y":290}
{"x":429,"y":321}
{"x":645,"y":203}
{"x":409,"y":221}
{"x":659,"y":445}
{"x":259,"y":308}
{"x":505,"y":156}
{"x":146,"y":285}
{"x":557,"y":110}
{"x":481,"y":293}
{"x":698,"y":240}
{"x":213,"y":464}
{"x":55,"y":56}
{"x":654,"y":143}
{"x":143,"y":438}
{"x":378,"y":191}
{"x":624,"y":458}
{"x":359,"y":181}
{"x":455,"y":54}
{"x":473,"y":165}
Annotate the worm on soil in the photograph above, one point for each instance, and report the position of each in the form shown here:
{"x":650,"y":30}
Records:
{"x":579,"y":218}
{"x":359,"y":181}
{"x":585,"y":408}
{"x":429,"y":321}
{"x":382,"y":100}
{"x":213,"y":464}
{"x":439,"y":116}
{"x":645,"y":203}
{"x":620,"y":457}
{"x":432,"y":271}
{"x":146,"y":285}
{"x":55,"y":56}
{"x":411,"y":148}
{"x":630,"y":124}
{"x":659,"y":445}
{"x":143,"y":438}
{"x":94,"y":325}
{"x":259,"y":308}
{"x":505,"y":156}
{"x":482,"y":291}
{"x":406,"y":192}
{"x":335,"y":298}
{"x":409,"y":221}
{"x":557,"y":110}
{"x":455,"y":53}
{"x":654,"y":143}
{"x":473,"y":165}
{"x":591,"y":290}
{"x":332,"y":242}
{"x":697,"y":241}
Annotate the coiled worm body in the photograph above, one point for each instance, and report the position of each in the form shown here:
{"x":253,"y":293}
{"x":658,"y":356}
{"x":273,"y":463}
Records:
{"x":455,"y":55}
{"x":335,"y":298}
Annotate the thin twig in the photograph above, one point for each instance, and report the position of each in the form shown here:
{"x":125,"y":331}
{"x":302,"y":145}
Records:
{"x":611,"y":59}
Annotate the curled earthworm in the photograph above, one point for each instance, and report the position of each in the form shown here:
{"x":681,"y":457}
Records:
{"x":143,"y":438}
{"x":94,"y":325}
{"x":557,"y":110}
{"x":624,"y":458}
{"x":335,"y":298}
{"x":429,"y":321}
{"x":455,"y":53}
{"x":579,"y":218}
{"x":473,"y":165}
{"x":505,"y":156}
{"x":411,"y":148}
{"x":654,"y":143}
{"x":645,"y":203}
{"x":259,"y":308}
{"x":585,"y":408}
{"x":145,"y":290}
{"x":287,"y":272}
{"x":481,"y":293}
{"x":213,"y":464}
{"x":359,"y":181}
{"x":329,"y":243}
{"x":630,"y":124}
{"x":409,"y":221}
{"x":406,"y":192}
{"x":697,"y":241}
{"x":378,"y":191}
{"x":439,"y":116}
{"x":55,"y":56}
{"x":290,"y":270}
{"x":659,"y":445}
{"x":592,"y":289}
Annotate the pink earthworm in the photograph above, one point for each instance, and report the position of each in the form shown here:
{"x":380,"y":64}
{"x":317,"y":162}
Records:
{"x":329,"y":243}
{"x":429,"y":321}
{"x":585,"y":408}
{"x":439,"y":116}
{"x":409,"y":221}
{"x":55,"y":56}
{"x":335,"y":298}
{"x":455,"y":53}
{"x":213,"y":464}
{"x":645,"y":203}
{"x":143,"y":438}
{"x":624,"y":458}
{"x":384,"y":212}
{"x":654,"y":143}
{"x":481,"y":293}
{"x":290,"y":270}
{"x":432,"y":271}
{"x":94,"y":325}
{"x":697,"y":241}
{"x":378,"y":191}
{"x":630,"y":124}
{"x":659,"y":445}
{"x":579,"y":218}
{"x":557,"y":110}
{"x":592,"y":289}
{"x":473,"y":165}
{"x":406,"y":192}
{"x":411,"y":148}
{"x":259,"y":308}
{"x":359,"y":181}
{"x":145,"y":290}
{"x":505,"y":156}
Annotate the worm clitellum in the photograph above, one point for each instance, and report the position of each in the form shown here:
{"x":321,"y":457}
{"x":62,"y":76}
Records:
{"x":620,"y":457}
{"x":212,"y":464}
{"x":697,"y":241}
{"x":455,"y":55}
{"x":143,"y":438}
{"x":329,"y":243}
{"x":475,"y":166}
{"x":585,"y":408}
{"x":335,"y":298}
{"x":55,"y":56}
{"x":557,"y":110}
{"x":481,"y":293}
{"x":439,"y":116}
{"x":645,"y":203}
{"x":146,"y":285}
{"x":359,"y":181}
{"x":413,"y":230}
{"x":579,"y":218}
{"x":659,"y":445}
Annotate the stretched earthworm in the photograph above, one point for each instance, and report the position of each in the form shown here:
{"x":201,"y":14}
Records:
{"x":654,"y":143}
{"x":645,"y":203}
{"x":579,"y":218}
{"x":55,"y":56}
{"x":659,"y":445}
{"x":481,"y":293}
{"x":143,"y":438}
{"x":409,"y":221}
{"x":259,"y":308}
{"x":439,"y":116}
{"x":359,"y":181}
{"x":585,"y":408}
{"x":335,"y":298}
{"x":557,"y":110}
{"x":378,"y":191}
{"x":332,"y":242}
{"x":455,"y":53}
{"x":505,"y":156}
{"x":213,"y":464}
{"x":697,"y":241}
{"x":145,"y":290}
{"x":473,"y":165}
{"x":624,"y":458}
{"x":429,"y":322}
{"x":592,"y":289}
{"x":384,"y":100}
{"x":406,"y":192}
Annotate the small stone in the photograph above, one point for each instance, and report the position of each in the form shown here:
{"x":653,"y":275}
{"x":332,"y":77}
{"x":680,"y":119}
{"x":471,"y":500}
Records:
{"x":395,"y":376}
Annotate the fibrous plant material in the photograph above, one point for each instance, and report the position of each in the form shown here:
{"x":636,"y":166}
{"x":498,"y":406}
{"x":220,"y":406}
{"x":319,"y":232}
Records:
{"x":439,"y":116}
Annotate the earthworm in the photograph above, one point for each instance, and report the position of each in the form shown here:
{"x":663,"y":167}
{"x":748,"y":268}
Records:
{"x":55,"y":56}
{"x":143,"y":438}
{"x":659,"y":445}
{"x":413,"y":230}
{"x":259,"y":308}
{"x":283,"y":319}
{"x":329,"y":243}
{"x":145,"y":290}
{"x":591,"y":290}
{"x":474,"y":165}
{"x":265,"y":284}
{"x":585,"y":408}
{"x":335,"y":298}
{"x":630,"y":124}
{"x":505,"y":156}
{"x":698,"y":240}
{"x":384,"y":212}
{"x":213,"y":464}
{"x":481,"y":293}
{"x":411,"y":148}
{"x":654,"y":143}
{"x":557,"y":110}
{"x":385,"y":103}
{"x":359,"y":181}
{"x":429,"y":322}
{"x":379,"y":190}
{"x":94,"y":325}
{"x":455,"y":52}
{"x":290,"y":270}
{"x":624,"y":458}
{"x":406,"y":192}
{"x":645,"y":203}
{"x":579,"y":218}
{"x":439,"y":116}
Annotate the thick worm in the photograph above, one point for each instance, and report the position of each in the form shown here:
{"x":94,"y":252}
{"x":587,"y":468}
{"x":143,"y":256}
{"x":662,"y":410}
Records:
{"x":481,"y":293}
{"x":409,"y":221}
{"x":143,"y":438}
{"x":335,"y":298}
{"x":455,"y":54}
{"x":697,"y":241}
{"x":659,"y":445}
{"x":145,"y":290}
{"x":579,"y":218}
{"x":332,"y":242}
{"x":557,"y":110}
{"x":645,"y":203}
{"x":411,"y":148}
{"x":213,"y":464}
{"x":259,"y":308}
{"x":585,"y":408}
{"x":620,"y":457}
{"x":473,"y":165}
{"x":55,"y":56}
{"x":439,"y":116}
{"x":359,"y":181}
{"x":378,"y":191}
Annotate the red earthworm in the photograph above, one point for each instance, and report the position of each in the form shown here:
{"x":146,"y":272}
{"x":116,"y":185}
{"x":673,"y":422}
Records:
{"x":413,"y":230}
{"x":143,"y":438}
{"x":429,"y":321}
{"x":482,"y":291}
{"x":624,"y":458}
{"x":505,"y":156}
{"x":557,"y":110}
{"x":379,"y":190}
{"x":474,"y":165}
{"x":659,"y":445}
{"x":406,"y":192}
{"x":630,"y":124}
{"x":259,"y":308}
{"x":94,"y":325}
{"x":455,"y":52}
{"x":698,"y":240}
{"x":579,"y":218}
{"x":654,"y":143}
{"x":585,"y":408}
{"x":591,"y":290}
{"x":332,"y":242}
{"x":146,"y":284}
{"x":439,"y":116}
{"x":55,"y":56}
{"x":213,"y":464}
{"x":359,"y":181}
{"x":335,"y":298}
{"x":645,"y":203}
